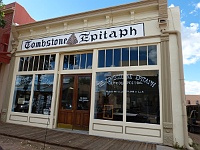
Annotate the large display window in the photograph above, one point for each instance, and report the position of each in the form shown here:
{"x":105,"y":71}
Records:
{"x":42,"y":94}
{"x":143,"y":97}
{"x":22,"y":93}
{"x":33,"y":90}
{"x":109,"y":95}
{"x":141,"y":90}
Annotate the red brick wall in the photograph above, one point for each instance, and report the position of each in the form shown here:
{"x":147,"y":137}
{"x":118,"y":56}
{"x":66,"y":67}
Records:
{"x":20,"y":16}
{"x":5,"y":32}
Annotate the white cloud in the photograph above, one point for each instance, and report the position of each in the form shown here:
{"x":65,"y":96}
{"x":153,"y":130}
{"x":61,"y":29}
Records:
{"x":192,"y":87}
{"x":197,"y":6}
{"x":172,"y":5}
{"x":190,"y":43}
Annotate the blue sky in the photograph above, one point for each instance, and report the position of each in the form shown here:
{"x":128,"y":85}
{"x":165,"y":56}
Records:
{"x":190,"y":21}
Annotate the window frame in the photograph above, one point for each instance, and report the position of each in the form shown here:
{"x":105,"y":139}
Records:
{"x":125,"y":69}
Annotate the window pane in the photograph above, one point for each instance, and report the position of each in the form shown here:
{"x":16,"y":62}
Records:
{"x":83,"y":100}
{"x":125,"y":56}
{"x":21,"y":63}
{"x":134,"y":56}
{"x":109,"y":96}
{"x":117,"y":57}
{"x":41,"y":63}
{"x":143,"y":97}
{"x":83,"y":61}
{"x":71,"y":62}
{"x":46,"y":62}
{"x":22,"y":93}
{"x":89,"y":60}
{"x":31,"y":59}
{"x":152,"y":55}
{"x":36,"y":63}
{"x":101,"y":59}
{"x":52,"y":62}
{"x":143,"y":55}
{"x":66,"y":62}
{"x":26,"y":62}
{"x":77,"y":61}
{"x":109,"y":58}
{"x":67,"y":92}
{"x":42,"y":96}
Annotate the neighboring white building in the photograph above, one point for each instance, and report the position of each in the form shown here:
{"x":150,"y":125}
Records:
{"x":116,"y":72}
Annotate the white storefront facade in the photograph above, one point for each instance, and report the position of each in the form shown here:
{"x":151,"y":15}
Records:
{"x":114,"y":72}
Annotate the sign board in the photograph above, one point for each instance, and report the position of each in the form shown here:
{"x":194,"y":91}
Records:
{"x":100,"y":35}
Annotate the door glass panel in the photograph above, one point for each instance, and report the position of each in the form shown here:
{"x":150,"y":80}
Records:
{"x":83,"y":100}
{"x":67,"y":92}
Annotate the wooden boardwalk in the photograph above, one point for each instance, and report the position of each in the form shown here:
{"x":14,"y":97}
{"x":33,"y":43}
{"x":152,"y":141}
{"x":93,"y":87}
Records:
{"x":70,"y":139}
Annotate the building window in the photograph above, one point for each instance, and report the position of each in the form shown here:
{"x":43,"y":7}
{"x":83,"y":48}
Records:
{"x":109,"y":96}
{"x":37,"y":63}
{"x":142,"y":97}
{"x":22,"y":93}
{"x":197,"y":102}
{"x":188,"y":101}
{"x":77,"y":61}
{"x":42,"y":94}
{"x":128,"y":56}
{"x":33,"y":92}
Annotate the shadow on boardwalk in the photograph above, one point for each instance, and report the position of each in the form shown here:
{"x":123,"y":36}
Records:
{"x":70,"y":140}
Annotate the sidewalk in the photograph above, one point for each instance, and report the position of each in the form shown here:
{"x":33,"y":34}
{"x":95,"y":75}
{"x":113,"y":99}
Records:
{"x":73,"y":140}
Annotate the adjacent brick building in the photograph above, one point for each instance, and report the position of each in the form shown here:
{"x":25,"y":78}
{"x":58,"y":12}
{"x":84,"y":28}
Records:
{"x":14,"y":14}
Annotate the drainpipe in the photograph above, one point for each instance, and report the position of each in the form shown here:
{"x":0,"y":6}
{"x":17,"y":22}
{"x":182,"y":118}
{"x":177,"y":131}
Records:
{"x":185,"y":131}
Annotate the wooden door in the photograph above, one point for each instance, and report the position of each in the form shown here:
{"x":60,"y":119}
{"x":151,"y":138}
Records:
{"x":74,"y":106}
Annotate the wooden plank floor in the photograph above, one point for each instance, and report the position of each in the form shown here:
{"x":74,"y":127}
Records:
{"x":72,"y":140}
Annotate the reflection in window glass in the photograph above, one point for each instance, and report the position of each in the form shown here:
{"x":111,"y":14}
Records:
{"x":21,"y":63}
{"x":101,"y":58}
{"x":109,"y":96}
{"x":52,"y":62}
{"x":109,"y":58}
{"x":67,"y":92}
{"x":89,"y":61}
{"x":125,"y":56}
{"x":35,"y":63}
{"x":117,"y":57}
{"x":152,"y":55}
{"x":143,"y":97}
{"x":26,"y":61}
{"x":134,"y":56}
{"x":83,"y":100}
{"x":46,"y":62}
{"x":41,"y":63}
{"x":77,"y":61}
{"x":42,"y":96}
{"x":30,"y":67}
{"x":35,"y":67}
{"x":142,"y":55}
{"x":65,"y":62}
{"x":22,"y":93}
{"x":83,"y":61}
